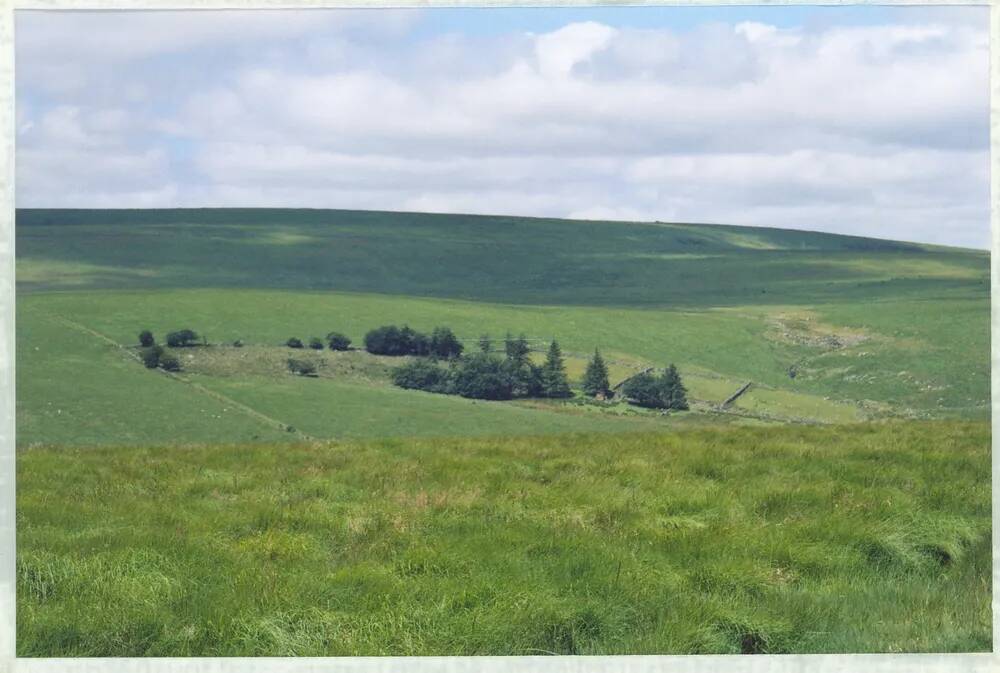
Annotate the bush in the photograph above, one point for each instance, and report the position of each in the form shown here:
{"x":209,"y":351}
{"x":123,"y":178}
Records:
{"x":294,"y":343}
{"x":644,"y":390}
{"x":181,"y":338}
{"x":238,"y":344}
{"x":392,"y":340}
{"x":301,"y":367}
{"x":316,"y":344}
{"x":444,"y":343}
{"x":151,"y":356}
{"x":337,"y":341}
{"x":146,"y":339}
{"x":422,"y":375}
{"x":481,"y":376}
{"x":170,"y":363}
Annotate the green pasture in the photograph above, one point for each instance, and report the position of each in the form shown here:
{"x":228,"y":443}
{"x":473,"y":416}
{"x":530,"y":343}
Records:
{"x":850,"y":538}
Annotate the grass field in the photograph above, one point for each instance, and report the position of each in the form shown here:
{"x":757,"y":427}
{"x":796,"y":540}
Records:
{"x":841,"y":504}
{"x":715,"y":540}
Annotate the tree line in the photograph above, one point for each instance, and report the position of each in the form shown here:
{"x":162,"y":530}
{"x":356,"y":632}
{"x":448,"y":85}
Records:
{"x":444,"y":367}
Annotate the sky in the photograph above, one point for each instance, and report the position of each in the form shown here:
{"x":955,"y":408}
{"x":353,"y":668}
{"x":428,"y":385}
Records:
{"x":859,"y":120}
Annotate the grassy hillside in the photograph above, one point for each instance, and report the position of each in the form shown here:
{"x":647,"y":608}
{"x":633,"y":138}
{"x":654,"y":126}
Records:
{"x":846,"y":539}
{"x":235,"y":509}
{"x":870,"y":328}
{"x":492,"y":259}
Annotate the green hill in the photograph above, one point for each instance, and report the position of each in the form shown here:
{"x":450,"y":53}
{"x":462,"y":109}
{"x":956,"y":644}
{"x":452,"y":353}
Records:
{"x":868,"y":328}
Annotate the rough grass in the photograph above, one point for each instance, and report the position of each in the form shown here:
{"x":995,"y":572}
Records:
{"x":856,"y":538}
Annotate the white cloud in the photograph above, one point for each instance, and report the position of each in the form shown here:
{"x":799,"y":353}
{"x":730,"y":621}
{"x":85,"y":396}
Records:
{"x":880,"y":130}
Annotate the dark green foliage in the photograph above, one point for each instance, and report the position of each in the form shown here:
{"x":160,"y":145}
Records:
{"x":485,"y":343}
{"x":238,"y":343}
{"x":517,"y":350}
{"x":392,"y":340}
{"x":170,"y":363}
{"x":554,"y":382}
{"x":672,"y":390}
{"x":644,"y":390}
{"x":595,"y":379}
{"x":483,"y":376}
{"x":444,"y":343}
{"x":422,"y":375}
{"x":301,"y":367}
{"x":337,"y":341}
{"x":294,"y":342}
{"x":657,"y":392}
{"x":146,"y":339}
{"x":316,"y":344}
{"x":181,"y":338}
{"x":151,"y":356}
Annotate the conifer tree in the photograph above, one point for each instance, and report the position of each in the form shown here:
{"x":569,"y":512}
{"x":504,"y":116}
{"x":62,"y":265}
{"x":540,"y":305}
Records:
{"x":485,"y":344}
{"x":554,"y":382}
{"x":595,"y":379}
{"x":673,"y":392}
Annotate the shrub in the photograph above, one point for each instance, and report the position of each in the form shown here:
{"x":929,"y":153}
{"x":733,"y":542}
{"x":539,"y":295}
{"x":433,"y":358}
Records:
{"x":422,"y":375}
{"x":151,"y":356}
{"x":170,"y":363}
{"x":238,"y":344}
{"x":316,"y":344}
{"x":644,"y":390}
{"x":481,"y":376}
{"x":181,"y":338}
{"x":301,"y":367}
{"x":444,"y":343}
{"x":294,"y":342}
{"x":392,"y":340}
{"x":337,"y":341}
{"x":146,"y":339}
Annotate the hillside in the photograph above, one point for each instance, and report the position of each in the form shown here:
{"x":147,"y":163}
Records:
{"x":828,"y":328}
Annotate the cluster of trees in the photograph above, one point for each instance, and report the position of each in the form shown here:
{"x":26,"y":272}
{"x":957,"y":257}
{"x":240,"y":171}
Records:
{"x":334,"y":340}
{"x":154,"y":356}
{"x":392,"y":340}
{"x":666,"y":391}
{"x":487,"y":376}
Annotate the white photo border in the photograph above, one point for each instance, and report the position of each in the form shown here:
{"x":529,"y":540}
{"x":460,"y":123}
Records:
{"x":784,"y":663}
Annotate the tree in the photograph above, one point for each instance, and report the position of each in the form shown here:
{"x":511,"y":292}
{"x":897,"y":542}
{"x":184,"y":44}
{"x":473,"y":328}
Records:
{"x":316,"y":344}
{"x":595,"y":379}
{"x":337,"y":341}
{"x":444,"y":343}
{"x":146,"y":339}
{"x":517,"y":350}
{"x":554,"y":382}
{"x":672,"y":390}
{"x":644,"y":390}
{"x":151,"y":356}
{"x":170,"y":363}
{"x":485,"y":344}
{"x":181,"y":338}
{"x":301,"y":367}
{"x":294,"y":342}
{"x":238,"y":343}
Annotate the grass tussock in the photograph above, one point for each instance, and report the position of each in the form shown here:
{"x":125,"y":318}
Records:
{"x":728,"y":540}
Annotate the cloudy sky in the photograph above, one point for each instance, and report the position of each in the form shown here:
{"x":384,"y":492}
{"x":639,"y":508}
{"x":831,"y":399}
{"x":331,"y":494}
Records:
{"x":861,"y":120}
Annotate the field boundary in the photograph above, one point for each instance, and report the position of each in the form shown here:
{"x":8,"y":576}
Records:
{"x":250,"y":411}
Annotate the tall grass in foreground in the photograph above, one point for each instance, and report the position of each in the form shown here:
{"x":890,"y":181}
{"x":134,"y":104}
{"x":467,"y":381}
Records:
{"x":869,"y":538}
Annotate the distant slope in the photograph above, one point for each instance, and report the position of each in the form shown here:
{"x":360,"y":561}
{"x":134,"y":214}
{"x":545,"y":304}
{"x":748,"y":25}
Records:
{"x":496,"y":259}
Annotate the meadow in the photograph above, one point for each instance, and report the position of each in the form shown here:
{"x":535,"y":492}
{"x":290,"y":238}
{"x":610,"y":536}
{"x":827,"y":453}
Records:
{"x":713,"y":540}
{"x":840,"y":505}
